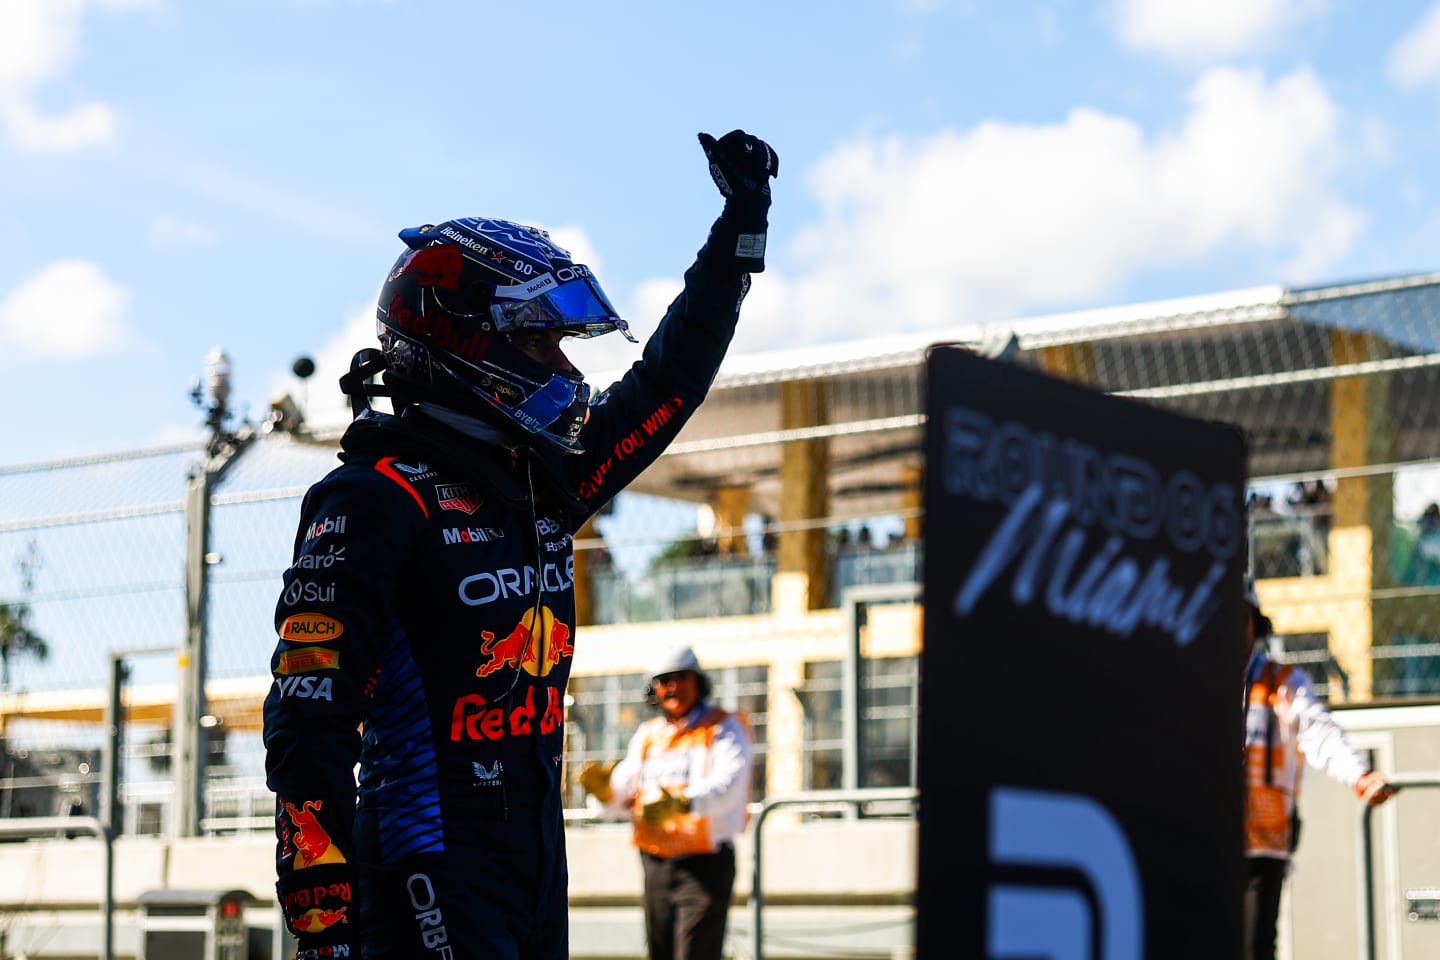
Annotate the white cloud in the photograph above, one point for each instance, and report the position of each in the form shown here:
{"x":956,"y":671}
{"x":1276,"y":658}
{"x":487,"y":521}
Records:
{"x":1006,"y":220}
{"x":68,"y":309}
{"x":978,"y":226}
{"x":39,"y":41}
{"x":1415,"y":60}
{"x":170,"y":232}
{"x":88,"y":125}
{"x":1201,"y":30}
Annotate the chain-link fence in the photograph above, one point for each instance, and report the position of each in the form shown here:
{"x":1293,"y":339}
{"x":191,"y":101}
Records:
{"x":805,"y":467}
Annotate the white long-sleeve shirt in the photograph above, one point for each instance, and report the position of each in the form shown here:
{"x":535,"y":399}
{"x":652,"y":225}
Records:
{"x":1303,"y":727}
{"x":705,"y":757}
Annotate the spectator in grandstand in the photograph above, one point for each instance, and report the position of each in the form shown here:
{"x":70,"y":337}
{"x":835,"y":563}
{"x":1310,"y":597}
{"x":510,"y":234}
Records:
{"x":430,"y":601}
{"x":769,"y":537}
{"x":684,"y":782}
{"x":1309,"y":496}
{"x":1260,"y":505}
{"x":1424,"y":564}
{"x":1284,"y":722}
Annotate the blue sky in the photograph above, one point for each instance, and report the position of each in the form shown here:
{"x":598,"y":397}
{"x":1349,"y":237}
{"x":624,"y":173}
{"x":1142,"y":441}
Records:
{"x":180,"y":174}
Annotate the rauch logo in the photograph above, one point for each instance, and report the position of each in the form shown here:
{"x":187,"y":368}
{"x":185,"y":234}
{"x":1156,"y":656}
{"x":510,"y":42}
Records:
{"x":310,"y":627}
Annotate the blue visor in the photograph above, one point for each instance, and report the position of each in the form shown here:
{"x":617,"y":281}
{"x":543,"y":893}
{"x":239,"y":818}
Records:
{"x":578,"y":306}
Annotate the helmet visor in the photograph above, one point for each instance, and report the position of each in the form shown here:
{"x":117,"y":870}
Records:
{"x":578,"y":306}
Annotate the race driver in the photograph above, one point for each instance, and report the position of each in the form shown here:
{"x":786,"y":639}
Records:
{"x":427,"y":622}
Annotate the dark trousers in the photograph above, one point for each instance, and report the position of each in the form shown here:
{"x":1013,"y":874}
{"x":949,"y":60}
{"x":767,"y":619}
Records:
{"x":1265,"y":877}
{"x":687,"y":900}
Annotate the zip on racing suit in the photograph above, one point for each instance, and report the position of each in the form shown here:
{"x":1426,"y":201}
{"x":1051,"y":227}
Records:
{"x":426,"y":629}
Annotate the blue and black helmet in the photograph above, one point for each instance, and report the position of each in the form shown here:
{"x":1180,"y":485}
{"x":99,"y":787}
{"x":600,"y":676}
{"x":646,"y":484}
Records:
{"x":452,"y":302}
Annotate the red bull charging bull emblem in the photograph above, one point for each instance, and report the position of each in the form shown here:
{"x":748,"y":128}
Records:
{"x":525,"y":648}
{"x":437,"y":266}
{"x":316,"y":920}
{"x":312,"y":842}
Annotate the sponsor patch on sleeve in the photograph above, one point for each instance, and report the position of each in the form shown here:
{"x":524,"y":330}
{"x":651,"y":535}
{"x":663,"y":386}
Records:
{"x":310,"y":628}
{"x":307,"y":661}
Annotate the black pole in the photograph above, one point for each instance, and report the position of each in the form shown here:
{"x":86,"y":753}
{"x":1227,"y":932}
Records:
{"x":114,"y":745}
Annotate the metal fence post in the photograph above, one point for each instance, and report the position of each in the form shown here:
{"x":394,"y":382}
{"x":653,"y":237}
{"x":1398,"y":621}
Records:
{"x":187,"y":743}
{"x":813,"y":800}
{"x":43,"y":826}
{"x":1366,"y":885}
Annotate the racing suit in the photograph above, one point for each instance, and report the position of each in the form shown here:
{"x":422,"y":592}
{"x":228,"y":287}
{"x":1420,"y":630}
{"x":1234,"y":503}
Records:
{"x":426,"y":628}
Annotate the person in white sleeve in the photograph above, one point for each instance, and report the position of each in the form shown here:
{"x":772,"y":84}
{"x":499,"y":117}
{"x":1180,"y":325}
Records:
{"x":685,"y":782}
{"x":1284,"y":721}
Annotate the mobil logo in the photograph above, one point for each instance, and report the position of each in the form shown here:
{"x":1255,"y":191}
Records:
{"x":310,"y":628}
{"x":532,"y":645}
{"x":324,"y":525}
{"x":472,"y":534}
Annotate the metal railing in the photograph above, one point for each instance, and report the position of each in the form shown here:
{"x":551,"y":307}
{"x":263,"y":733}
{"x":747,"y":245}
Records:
{"x":810,"y":801}
{"x":1366,"y":887}
{"x":31,"y":827}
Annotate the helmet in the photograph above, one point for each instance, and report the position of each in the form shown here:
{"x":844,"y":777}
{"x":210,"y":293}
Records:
{"x":677,"y":659}
{"x":450,"y":304}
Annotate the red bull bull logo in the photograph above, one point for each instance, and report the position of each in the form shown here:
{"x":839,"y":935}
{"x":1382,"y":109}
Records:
{"x":316,"y":920}
{"x":437,"y":266}
{"x":312,"y":842}
{"x":525,"y":648}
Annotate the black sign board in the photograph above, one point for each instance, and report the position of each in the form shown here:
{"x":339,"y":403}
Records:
{"x":1079,"y":754}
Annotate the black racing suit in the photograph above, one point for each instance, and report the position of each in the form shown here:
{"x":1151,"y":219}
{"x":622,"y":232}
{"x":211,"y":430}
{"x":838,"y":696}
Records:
{"x":426,"y":628}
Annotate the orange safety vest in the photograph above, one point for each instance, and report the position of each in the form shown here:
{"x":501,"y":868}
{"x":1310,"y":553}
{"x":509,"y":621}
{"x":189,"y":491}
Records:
{"x":686,"y":833}
{"x":1272,"y":768}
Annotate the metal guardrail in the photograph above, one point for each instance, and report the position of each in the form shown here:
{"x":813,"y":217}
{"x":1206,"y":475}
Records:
{"x":1366,"y":894}
{"x":30,"y":827}
{"x":811,"y":801}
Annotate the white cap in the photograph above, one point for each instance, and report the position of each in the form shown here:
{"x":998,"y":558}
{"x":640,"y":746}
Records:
{"x":674,"y":660}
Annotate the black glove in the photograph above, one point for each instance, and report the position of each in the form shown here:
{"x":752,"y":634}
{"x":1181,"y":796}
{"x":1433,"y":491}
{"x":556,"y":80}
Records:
{"x":742,"y":166}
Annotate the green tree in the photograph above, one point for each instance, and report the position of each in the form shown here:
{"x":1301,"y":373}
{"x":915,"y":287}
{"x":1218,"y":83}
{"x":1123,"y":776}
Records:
{"x":17,"y":637}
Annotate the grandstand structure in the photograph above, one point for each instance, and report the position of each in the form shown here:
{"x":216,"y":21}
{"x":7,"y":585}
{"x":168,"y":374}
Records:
{"x":781,"y":535}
